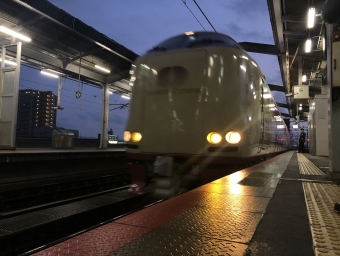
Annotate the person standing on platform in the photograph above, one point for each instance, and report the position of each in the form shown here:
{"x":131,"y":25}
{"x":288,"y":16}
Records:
{"x":302,"y":139}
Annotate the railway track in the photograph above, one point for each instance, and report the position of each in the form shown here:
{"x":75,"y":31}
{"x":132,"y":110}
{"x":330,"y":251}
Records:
{"x":23,"y":200}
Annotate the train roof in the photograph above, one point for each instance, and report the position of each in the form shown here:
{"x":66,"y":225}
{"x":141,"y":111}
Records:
{"x":195,"y":39}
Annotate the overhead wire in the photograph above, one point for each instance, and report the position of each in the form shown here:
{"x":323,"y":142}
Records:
{"x":204,"y":15}
{"x":64,"y":95}
{"x":63,"y":101}
{"x":56,"y":87}
{"x":68,"y":77}
{"x":184,"y":1}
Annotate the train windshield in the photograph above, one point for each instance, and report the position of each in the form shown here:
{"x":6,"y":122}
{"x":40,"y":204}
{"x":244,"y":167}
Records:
{"x":202,"y":39}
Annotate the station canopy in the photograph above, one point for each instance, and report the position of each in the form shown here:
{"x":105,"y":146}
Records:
{"x":63,"y":43}
{"x":289,"y":20}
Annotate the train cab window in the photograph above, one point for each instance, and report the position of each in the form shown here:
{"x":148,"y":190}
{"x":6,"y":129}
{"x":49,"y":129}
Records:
{"x":200,"y":39}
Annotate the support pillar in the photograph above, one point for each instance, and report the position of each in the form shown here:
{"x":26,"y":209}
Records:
{"x":334,"y":112}
{"x":105,"y":116}
{"x":299,"y":60}
{"x":9,"y":93}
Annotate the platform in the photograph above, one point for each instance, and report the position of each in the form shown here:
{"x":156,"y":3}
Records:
{"x":283,"y":206}
{"x":41,"y":154}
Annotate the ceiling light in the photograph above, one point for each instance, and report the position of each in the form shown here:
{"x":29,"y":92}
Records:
{"x":9,"y":62}
{"x":323,"y":44}
{"x":308,"y":45}
{"x":311,"y":15}
{"x":103,"y":69}
{"x":53,"y":71}
{"x":48,"y":74}
{"x":15,"y":34}
{"x":304,"y":78}
{"x":189,"y":33}
{"x":125,"y":97}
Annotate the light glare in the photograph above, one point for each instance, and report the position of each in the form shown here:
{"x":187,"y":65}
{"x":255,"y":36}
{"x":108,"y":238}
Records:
{"x":9,"y":62}
{"x":127,"y":136}
{"x":15,"y":34}
{"x":136,"y":136}
{"x":48,"y":74}
{"x":233,"y":137}
{"x":311,"y":16}
{"x":308,"y":45}
{"x":214,"y":138}
{"x":101,"y":68}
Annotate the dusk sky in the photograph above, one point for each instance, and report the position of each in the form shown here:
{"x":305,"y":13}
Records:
{"x":139,"y":25}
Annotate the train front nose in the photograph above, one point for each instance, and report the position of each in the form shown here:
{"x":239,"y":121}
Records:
{"x":174,"y":103}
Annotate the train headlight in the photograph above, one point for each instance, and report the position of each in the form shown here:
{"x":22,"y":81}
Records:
{"x":233,"y":137}
{"x":214,"y":138}
{"x":136,"y":136}
{"x":127,"y":136}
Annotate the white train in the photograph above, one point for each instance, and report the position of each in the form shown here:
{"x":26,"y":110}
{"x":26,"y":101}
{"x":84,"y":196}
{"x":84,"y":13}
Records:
{"x":199,"y":98}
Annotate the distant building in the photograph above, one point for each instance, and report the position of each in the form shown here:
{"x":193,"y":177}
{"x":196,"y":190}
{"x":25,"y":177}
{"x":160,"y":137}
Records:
{"x":45,"y":131}
{"x":35,"y":109}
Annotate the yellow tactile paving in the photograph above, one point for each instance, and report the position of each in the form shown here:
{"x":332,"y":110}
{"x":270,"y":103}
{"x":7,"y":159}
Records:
{"x":325,"y":222}
{"x":307,"y":167}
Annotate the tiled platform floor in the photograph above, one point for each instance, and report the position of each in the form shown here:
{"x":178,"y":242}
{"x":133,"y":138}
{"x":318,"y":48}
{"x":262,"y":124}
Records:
{"x":236,"y":215}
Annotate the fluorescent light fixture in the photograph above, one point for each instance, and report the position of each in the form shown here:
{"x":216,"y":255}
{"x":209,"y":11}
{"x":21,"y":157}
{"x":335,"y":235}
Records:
{"x":308,"y":45}
{"x":48,"y":74}
{"x":15,"y":34}
{"x":295,"y":126}
{"x":110,"y":92}
{"x":9,"y":62}
{"x":311,"y":16}
{"x":125,"y":97}
{"x":53,"y":71}
{"x":102,"y":69}
{"x":243,"y":67}
{"x":189,"y":33}
{"x":323,"y":44}
{"x":304,"y":78}
{"x":244,"y":57}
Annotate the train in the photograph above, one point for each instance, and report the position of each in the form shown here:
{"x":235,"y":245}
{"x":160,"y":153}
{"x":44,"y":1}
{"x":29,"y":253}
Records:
{"x":198,"y":99}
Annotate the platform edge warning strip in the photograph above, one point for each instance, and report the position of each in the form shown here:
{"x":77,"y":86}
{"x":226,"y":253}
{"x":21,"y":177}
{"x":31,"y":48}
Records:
{"x":307,"y":167}
{"x":324,"y":221}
